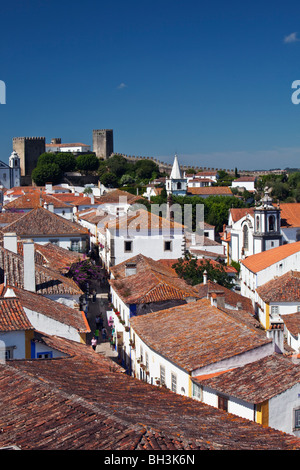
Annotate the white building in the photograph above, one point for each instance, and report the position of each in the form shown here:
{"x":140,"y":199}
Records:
{"x":57,"y":146}
{"x":10,"y":175}
{"x":170,"y":347}
{"x":257,"y":229}
{"x":176,"y":184}
{"x":277,"y":298}
{"x":244,"y":182}
{"x":262,"y":267}
{"x":141,"y":232}
{"x":266,"y":391}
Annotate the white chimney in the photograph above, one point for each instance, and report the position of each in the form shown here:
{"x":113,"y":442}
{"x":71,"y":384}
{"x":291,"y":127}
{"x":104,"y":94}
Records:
{"x":205,"y":277}
{"x":48,"y":187}
{"x":29,"y":265}
{"x":10,"y":242}
{"x":130,"y":269}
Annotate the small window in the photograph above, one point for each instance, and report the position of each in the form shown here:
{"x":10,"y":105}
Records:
{"x":297,"y":419}
{"x":75,"y":245}
{"x":168,"y":246}
{"x":196,"y":391}
{"x":127,"y":246}
{"x":274,"y":309}
{"x":162,"y":375}
{"x":44,"y":355}
{"x":173,"y":383}
{"x":222,"y":403}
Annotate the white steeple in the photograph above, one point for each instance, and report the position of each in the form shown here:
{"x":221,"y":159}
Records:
{"x":176,"y":173}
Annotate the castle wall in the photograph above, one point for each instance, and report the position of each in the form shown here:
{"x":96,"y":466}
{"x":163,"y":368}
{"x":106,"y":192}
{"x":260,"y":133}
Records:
{"x":103,"y":143}
{"x":29,"y":149}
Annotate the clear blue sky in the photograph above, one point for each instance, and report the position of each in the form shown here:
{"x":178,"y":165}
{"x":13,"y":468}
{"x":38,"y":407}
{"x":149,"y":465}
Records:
{"x":208,"y":80}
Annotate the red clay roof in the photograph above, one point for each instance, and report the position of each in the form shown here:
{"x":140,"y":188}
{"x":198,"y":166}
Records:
{"x":12,"y":315}
{"x":196,"y":334}
{"x":41,"y":222}
{"x":263,"y":260}
{"x":33,"y":200}
{"x":210,"y":190}
{"x":290,"y":214}
{"x":285,"y":288}
{"x":83,"y":401}
{"x":52,"y":309}
{"x":151,"y":283}
{"x":258,"y":381}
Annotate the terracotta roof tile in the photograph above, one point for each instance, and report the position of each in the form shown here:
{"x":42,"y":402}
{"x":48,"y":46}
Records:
{"x":257,"y":381}
{"x":12,"y":315}
{"x":84,"y":402}
{"x":52,"y":309}
{"x":196,"y":334}
{"x":34,"y":200}
{"x":151,"y":283}
{"x":210,"y":190}
{"x":41,"y":222}
{"x":285,"y":288}
{"x":292,"y":323}
{"x":290,"y":214}
{"x":48,"y":281}
{"x":263,"y":260}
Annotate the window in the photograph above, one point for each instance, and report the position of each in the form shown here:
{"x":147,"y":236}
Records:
{"x":54,"y":242}
{"x":245,"y":237}
{"x":173,"y":383}
{"x":274,"y":310}
{"x":196,"y":391}
{"x":222,"y":403}
{"x":44,"y":355}
{"x":75,"y":245}
{"x":297,"y":419}
{"x":9,"y":353}
{"x":257,"y":223}
{"x":162,"y":375}
{"x":168,"y":246}
{"x":127,"y":246}
{"x":271,"y":223}
{"x":298,"y":308}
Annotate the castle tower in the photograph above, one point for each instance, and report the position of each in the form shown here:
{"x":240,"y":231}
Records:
{"x":267,"y":221}
{"x":15,"y":170}
{"x":176,"y":184}
{"x":103,"y":143}
{"x":29,"y":149}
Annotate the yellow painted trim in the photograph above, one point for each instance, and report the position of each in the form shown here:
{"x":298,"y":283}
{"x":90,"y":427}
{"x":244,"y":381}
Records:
{"x":262,"y":413}
{"x":267,"y":316}
{"x":190,"y":387}
{"x":29,"y":334}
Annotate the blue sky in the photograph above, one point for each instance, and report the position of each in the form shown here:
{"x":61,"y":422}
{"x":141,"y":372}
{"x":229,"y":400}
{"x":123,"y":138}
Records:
{"x":210,"y":81}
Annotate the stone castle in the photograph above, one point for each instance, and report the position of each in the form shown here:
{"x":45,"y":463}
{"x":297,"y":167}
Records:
{"x":30,"y":148}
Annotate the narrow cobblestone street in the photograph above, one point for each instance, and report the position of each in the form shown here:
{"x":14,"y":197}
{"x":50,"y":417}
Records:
{"x":99,"y":306}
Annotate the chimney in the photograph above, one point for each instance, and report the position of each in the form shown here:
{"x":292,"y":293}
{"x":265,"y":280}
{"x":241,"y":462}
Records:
{"x":205,"y":277}
{"x":29,"y":265}
{"x":50,"y":207}
{"x":48,"y":187}
{"x":10,"y":242}
{"x":130,"y":269}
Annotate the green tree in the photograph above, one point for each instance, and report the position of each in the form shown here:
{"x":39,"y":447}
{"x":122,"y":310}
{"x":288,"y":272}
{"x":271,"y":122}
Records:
{"x":191,"y":270}
{"x":46,"y":173}
{"x":110,"y":180}
{"x":66,"y":161}
{"x":87,"y":163}
{"x":46,"y":158}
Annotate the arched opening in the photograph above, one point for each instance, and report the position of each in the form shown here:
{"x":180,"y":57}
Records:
{"x":271,"y":223}
{"x":245,"y":237}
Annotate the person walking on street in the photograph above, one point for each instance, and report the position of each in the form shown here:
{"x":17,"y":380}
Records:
{"x":94,"y":343}
{"x":104,"y":332}
{"x":98,"y":321}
